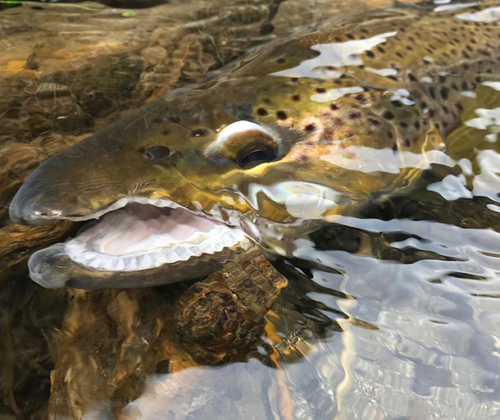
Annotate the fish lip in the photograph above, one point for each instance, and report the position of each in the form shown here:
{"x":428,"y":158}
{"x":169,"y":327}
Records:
{"x":38,"y":216}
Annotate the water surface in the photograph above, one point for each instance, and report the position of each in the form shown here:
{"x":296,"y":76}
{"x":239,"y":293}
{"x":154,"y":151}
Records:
{"x":389,"y":315}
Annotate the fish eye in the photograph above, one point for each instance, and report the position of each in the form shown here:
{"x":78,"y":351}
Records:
{"x":257,"y":155}
{"x":156,"y":153}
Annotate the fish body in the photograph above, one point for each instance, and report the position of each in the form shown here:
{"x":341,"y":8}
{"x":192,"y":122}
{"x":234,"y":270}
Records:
{"x":299,"y":130}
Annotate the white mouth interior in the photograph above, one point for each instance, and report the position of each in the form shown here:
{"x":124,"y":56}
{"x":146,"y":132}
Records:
{"x":143,"y":236}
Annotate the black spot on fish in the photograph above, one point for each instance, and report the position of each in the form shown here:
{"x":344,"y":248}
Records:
{"x":403,"y":124}
{"x":320,"y":90}
{"x":281,"y":60}
{"x":397,"y":104}
{"x":296,"y":98}
{"x":333,"y":107}
{"x":261,"y":111}
{"x":411,"y":77}
{"x":281,"y":115}
{"x":309,"y":127}
{"x":175,"y":120}
{"x":370,"y":54}
{"x":373,"y":121}
{"x":354,"y":115}
{"x":444,"y":92}
{"x":416,"y":125}
{"x":157,"y":120}
{"x":381,"y":50}
{"x":407,"y":143}
{"x":388,"y":115}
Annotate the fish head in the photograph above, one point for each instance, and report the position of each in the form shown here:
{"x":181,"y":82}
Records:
{"x":265,"y":147}
{"x":261,"y":147}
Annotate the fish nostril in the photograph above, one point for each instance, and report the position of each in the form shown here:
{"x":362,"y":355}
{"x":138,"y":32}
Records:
{"x":156,"y":153}
{"x":198,"y":133}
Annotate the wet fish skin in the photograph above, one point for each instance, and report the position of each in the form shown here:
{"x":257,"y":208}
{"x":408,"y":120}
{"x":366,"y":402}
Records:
{"x":389,"y":80}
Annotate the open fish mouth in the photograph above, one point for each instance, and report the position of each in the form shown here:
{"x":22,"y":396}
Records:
{"x":138,"y":234}
{"x":135,"y":241}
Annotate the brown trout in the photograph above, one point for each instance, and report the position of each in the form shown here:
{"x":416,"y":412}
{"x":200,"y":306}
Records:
{"x":299,"y":130}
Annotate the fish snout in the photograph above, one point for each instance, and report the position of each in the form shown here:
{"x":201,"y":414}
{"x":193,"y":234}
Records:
{"x":73,"y":183}
{"x":36,"y":201}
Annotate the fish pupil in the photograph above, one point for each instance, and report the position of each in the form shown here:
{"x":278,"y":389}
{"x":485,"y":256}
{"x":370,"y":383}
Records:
{"x":256,"y":156}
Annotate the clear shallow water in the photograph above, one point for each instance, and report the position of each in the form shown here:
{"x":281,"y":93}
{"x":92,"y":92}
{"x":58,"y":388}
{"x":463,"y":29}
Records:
{"x":390,"y":315}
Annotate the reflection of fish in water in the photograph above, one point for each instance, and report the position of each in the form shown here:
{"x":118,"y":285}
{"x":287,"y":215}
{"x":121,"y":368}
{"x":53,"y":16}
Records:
{"x":307,"y":128}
